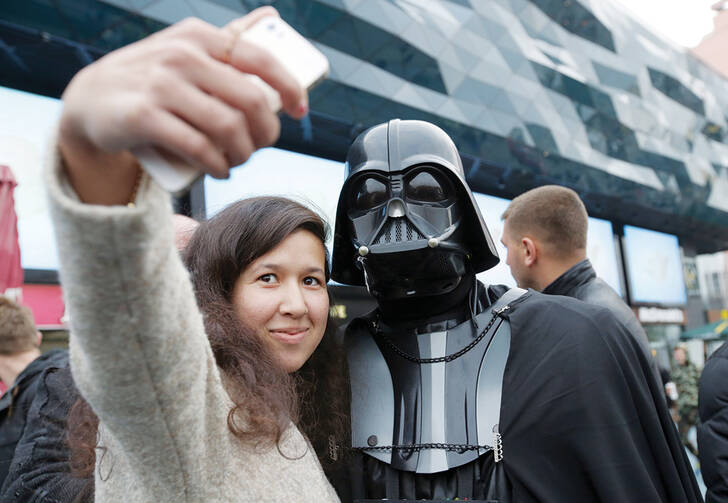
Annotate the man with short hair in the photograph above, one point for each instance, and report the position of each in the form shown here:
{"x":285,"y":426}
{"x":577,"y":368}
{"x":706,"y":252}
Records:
{"x":544,"y":231}
{"x":19,"y":340}
{"x":21,"y":364}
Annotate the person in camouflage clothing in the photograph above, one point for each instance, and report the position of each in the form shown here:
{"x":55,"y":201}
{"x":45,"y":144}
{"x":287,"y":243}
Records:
{"x":685,"y":375}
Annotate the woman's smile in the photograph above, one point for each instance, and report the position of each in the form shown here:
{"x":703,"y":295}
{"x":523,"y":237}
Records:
{"x":292,"y":335}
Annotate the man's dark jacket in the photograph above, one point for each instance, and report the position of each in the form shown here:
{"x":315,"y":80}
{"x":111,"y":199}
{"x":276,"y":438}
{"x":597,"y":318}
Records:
{"x":713,"y":429}
{"x":16,"y":402}
{"x":581,"y":282}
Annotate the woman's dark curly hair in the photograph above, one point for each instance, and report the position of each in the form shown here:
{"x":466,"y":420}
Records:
{"x":266,"y":398}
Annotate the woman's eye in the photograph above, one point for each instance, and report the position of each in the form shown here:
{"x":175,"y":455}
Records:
{"x":268,"y":278}
{"x":311,"y":281}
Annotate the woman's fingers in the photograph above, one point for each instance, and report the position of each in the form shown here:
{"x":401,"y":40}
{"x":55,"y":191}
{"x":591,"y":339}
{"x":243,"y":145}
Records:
{"x":243,"y":23}
{"x":250,"y":58}
{"x":227,"y":46}
{"x":162,"y":128}
{"x":226,"y":127}
{"x":237,"y":91}
{"x":183,"y":90}
{"x":223,"y":74}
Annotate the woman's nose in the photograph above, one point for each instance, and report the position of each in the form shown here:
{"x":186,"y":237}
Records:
{"x":293,"y":302}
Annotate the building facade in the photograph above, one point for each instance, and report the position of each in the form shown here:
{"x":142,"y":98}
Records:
{"x":533,"y":91}
{"x":572,"y":92}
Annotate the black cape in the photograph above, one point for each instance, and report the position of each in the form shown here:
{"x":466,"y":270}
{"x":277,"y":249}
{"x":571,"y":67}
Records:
{"x":581,"y":418}
{"x":713,"y":427}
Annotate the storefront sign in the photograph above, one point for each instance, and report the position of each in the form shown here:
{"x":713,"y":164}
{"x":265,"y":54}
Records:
{"x":661,"y":315}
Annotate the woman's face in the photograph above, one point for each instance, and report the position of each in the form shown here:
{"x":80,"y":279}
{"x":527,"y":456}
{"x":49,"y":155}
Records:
{"x":282,"y":296}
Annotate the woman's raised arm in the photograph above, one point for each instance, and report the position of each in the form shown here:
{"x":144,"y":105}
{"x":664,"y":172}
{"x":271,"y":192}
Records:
{"x":182,"y":90}
{"x":139,"y":352}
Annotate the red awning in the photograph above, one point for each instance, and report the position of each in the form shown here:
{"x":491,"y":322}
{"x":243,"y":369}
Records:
{"x":11,"y":272}
{"x":46,"y":302}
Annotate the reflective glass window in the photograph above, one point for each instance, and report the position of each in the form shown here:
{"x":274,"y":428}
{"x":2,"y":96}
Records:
{"x":676,"y":90}
{"x":614,"y":78}
{"x":542,"y":138}
{"x":714,"y":132}
{"x":577,"y":19}
{"x":574,"y":90}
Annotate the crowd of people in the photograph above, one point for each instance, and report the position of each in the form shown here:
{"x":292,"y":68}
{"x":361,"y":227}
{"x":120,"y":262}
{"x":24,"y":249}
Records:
{"x":203,"y":363}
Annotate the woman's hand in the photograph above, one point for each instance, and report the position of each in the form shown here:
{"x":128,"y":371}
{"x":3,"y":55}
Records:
{"x":182,"y":90}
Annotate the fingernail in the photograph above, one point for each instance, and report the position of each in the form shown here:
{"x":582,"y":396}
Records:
{"x":302,"y":109}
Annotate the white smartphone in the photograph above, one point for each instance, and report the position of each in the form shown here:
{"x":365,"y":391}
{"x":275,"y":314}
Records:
{"x":306,"y":63}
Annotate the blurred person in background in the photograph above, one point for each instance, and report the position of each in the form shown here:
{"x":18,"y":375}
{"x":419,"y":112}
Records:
{"x":670,"y":388}
{"x":21,"y":368}
{"x":713,"y":427}
{"x":685,"y":375}
{"x":545,"y":231}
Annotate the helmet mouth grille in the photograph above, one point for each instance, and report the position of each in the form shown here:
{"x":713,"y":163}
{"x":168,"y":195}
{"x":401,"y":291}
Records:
{"x":397,"y":230}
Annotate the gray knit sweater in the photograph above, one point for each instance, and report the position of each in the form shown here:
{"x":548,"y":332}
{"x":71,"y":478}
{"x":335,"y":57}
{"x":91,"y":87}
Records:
{"x":140,"y":357}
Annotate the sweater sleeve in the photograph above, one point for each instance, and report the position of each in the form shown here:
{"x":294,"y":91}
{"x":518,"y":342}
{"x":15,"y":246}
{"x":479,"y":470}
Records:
{"x":139,"y":353}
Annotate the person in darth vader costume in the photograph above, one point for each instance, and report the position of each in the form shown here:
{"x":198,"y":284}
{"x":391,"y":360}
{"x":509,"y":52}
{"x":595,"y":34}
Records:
{"x":490,"y":394}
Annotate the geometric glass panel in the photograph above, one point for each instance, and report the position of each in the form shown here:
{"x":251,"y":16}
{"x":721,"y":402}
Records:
{"x":577,"y":19}
{"x":676,"y":90}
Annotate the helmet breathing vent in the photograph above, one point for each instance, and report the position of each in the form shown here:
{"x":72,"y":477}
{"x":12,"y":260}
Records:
{"x":398,"y":230}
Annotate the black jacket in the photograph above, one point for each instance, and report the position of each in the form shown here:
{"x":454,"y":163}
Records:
{"x":16,"y":402}
{"x":40,"y":470}
{"x":713,"y":429}
{"x":581,"y":282}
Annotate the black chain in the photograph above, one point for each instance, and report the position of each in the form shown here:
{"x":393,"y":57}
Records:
{"x":419,"y":447}
{"x":440,"y":359}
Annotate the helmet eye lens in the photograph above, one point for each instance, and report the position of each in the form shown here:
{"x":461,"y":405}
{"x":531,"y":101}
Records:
{"x":372,"y":193}
{"x":425,"y":187}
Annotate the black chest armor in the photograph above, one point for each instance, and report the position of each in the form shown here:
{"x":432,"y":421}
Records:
{"x":428,"y":403}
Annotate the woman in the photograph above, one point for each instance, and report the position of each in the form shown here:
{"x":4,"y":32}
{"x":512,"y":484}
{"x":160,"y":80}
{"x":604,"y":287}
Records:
{"x":270,"y":237}
{"x":251,"y":270}
{"x":179,"y":419}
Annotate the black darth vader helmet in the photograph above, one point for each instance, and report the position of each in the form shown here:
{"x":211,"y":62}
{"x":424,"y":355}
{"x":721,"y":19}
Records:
{"x":407,"y":224}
